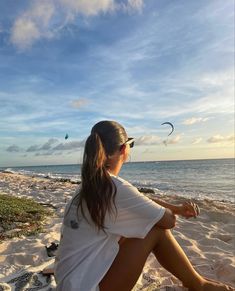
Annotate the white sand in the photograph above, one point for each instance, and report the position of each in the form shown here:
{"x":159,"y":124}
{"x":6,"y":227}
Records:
{"x":207,"y":240}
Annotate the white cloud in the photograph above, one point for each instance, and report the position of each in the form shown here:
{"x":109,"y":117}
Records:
{"x":42,"y":12}
{"x":173,"y":140}
{"x":136,"y":4}
{"x":156,"y":140}
{"x":138,"y":130}
{"x":221,"y":139}
{"x":24,"y":33}
{"x":79,"y":103}
{"x":37,"y":21}
{"x":148,"y":140}
{"x":197,"y":140}
{"x":94,"y":7}
{"x":132,"y":5}
{"x":217,"y":78}
{"x":194,"y":120}
{"x":87,"y":8}
{"x":33,"y":24}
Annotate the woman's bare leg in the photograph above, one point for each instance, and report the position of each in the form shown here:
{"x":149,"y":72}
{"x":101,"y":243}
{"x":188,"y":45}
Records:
{"x":133,"y":253}
{"x":171,"y":256}
{"x":129,"y":262}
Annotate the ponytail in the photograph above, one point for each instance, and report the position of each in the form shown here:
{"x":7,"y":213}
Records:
{"x":97,"y":189}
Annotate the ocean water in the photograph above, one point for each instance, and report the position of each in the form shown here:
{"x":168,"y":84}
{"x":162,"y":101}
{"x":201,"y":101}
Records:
{"x":200,"y":179}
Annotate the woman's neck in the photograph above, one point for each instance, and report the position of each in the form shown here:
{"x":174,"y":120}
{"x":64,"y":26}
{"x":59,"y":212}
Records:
{"x":115,"y":169}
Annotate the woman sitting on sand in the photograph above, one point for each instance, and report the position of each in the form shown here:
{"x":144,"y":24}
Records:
{"x":110,"y":228}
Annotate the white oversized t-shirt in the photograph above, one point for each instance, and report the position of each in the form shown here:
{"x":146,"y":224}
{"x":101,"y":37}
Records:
{"x":84,"y":254}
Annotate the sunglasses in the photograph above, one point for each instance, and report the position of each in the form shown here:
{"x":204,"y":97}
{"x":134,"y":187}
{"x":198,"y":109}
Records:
{"x":130,"y":141}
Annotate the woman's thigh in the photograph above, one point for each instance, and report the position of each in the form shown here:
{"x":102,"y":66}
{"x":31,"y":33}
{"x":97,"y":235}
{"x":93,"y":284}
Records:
{"x":129,"y":262}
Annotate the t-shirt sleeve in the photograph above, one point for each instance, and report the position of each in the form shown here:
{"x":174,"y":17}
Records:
{"x":136,"y":214}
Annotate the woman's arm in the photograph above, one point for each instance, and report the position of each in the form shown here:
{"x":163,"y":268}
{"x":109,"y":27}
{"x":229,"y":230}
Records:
{"x":187,"y":209}
{"x":172,"y":207}
{"x":168,"y":220}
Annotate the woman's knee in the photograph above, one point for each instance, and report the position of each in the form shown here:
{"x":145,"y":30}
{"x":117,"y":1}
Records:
{"x":160,"y":231}
{"x":156,"y":234}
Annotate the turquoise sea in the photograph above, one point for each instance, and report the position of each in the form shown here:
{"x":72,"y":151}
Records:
{"x":200,"y":179}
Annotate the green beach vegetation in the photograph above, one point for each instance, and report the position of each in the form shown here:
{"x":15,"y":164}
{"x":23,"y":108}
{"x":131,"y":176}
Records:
{"x":20,"y":216}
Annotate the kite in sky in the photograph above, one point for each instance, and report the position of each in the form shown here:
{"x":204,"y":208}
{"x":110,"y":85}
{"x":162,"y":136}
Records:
{"x":172,"y":126}
{"x":66,"y":136}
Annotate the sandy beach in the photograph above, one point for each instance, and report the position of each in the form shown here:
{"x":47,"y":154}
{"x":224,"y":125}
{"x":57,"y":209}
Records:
{"x":208,"y":240}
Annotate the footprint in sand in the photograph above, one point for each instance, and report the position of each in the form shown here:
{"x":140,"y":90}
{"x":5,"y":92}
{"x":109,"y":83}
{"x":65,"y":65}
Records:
{"x":223,"y":237}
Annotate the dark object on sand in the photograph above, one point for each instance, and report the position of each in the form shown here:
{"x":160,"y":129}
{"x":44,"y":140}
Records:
{"x":48,"y":272}
{"x":146,"y":190}
{"x":51,"y":250}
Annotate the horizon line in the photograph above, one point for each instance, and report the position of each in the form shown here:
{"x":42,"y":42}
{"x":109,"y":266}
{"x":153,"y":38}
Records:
{"x":152,"y":161}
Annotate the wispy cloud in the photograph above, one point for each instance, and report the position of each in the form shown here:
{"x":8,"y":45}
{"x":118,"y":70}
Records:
{"x":47,"y":148}
{"x":69,"y":146}
{"x":48,"y":144}
{"x":33,"y":148}
{"x":156,"y":140}
{"x":13,"y":148}
{"x":88,"y":8}
{"x":221,"y":139}
{"x":79,"y":103}
{"x":148,"y":140}
{"x":132,"y":5}
{"x":197,"y":140}
{"x":49,"y":153}
{"x":194,"y":120}
{"x":219,"y":102}
{"x":175,"y":139}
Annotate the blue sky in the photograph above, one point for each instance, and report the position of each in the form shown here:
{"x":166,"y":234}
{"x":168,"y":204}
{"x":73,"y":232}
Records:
{"x":66,"y":64}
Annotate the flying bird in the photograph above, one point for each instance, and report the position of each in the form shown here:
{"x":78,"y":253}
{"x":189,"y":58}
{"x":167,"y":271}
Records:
{"x":172,"y":126}
{"x":66,"y":136}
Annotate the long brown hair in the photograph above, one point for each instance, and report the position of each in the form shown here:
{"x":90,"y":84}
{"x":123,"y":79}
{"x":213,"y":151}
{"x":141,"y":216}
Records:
{"x":97,"y":189}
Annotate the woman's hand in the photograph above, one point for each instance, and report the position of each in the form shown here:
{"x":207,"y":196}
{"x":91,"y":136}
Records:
{"x":188,"y":209}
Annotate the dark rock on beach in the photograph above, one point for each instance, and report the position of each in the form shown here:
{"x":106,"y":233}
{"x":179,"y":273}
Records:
{"x":146,"y":190}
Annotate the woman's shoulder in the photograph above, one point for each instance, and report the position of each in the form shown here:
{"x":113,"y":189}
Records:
{"x":119,"y":182}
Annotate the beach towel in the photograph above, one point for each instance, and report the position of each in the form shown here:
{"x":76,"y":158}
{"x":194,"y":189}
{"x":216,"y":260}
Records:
{"x":32,"y":279}
{"x":29,"y":279}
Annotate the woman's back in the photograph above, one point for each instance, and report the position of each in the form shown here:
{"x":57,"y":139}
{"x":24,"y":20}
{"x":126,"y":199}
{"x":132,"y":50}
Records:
{"x":85,"y":254}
